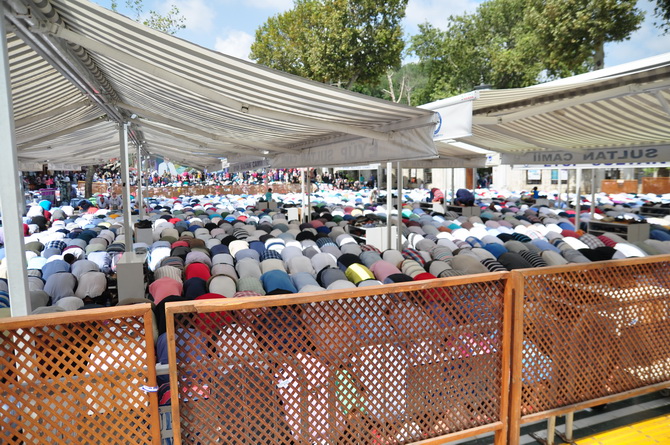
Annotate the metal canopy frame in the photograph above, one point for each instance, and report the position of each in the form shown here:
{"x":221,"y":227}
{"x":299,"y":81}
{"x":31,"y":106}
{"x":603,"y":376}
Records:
{"x":76,"y":93}
{"x":618,"y":108}
{"x":181,"y":96}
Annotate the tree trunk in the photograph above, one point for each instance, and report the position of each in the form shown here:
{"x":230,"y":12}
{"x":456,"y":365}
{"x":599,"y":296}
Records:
{"x":599,"y":56}
{"x":587,"y":185}
{"x":391,"y":90}
{"x":352,"y":81}
{"x":88,"y":185}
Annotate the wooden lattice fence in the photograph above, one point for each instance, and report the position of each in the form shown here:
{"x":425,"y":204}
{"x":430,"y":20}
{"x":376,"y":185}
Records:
{"x":78,"y":378}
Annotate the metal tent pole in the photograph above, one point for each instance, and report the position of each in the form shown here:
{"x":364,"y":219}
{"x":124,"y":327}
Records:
{"x":139,"y":199}
{"x":578,"y":198}
{"x":127,"y":222}
{"x":309,"y":196}
{"x":560,"y":182}
{"x":453,"y":188}
{"x":302,"y":190}
{"x":389,"y":202}
{"x":399,"y":228}
{"x":11,"y":195}
{"x":446,"y":189}
{"x":593,"y":192}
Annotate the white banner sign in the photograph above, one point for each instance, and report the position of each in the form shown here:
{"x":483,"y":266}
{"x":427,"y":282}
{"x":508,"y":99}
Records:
{"x":249,"y":166}
{"x":63,"y":166}
{"x":358,"y":167}
{"x":455,"y":121}
{"x":592,"y":166}
{"x":446,"y":162}
{"x":598,"y":157}
{"x":493,"y":159}
{"x":30,"y":166}
{"x":416,"y":143}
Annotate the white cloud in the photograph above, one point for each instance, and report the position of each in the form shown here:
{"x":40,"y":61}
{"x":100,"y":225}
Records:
{"x":277,"y":5}
{"x":436,"y":12}
{"x":235,"y":43}
{"x":199,"y":15}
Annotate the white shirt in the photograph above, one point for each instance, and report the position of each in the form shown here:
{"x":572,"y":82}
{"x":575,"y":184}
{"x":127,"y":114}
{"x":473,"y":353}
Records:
{"x":629,"y":250}
{"x":115,"y":202}
{"x":102,"y":202}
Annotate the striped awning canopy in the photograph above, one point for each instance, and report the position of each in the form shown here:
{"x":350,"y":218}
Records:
{"x":618,"y":114}
{"x":79,"y":71}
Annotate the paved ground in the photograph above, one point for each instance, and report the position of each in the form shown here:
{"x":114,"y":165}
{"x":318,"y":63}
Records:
{"x":637,"y":421}
{"x":652,"y":431}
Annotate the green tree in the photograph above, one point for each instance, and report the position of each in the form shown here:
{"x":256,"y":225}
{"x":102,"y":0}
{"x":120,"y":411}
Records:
{"x":573,"y":33}
{"x":340,"y":42}
{"x":516,"y":43}
{"x":662,"y":12}
{"x":169,"y":23}
{"x":492,"y":46}
{"x":289,"y":42}
{"x":399,"y":86}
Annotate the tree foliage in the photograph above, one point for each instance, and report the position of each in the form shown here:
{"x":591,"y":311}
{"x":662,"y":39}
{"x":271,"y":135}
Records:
{"x":492,"y":46}
{"x":573,"y":33}
{"x":662,"y":12}
{"x":341,"y":42}
{"x":399,"y":86}
{"x":288,"y":41}
{"x":169,"y":23}
{"x":515,"y":43}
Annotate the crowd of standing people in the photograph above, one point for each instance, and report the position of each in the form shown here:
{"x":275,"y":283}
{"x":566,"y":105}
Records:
{"x":327,"y":180}
{"x":66,"y":186}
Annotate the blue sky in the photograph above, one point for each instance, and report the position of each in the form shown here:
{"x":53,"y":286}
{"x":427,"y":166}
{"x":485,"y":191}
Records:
{"x":229,"y":25}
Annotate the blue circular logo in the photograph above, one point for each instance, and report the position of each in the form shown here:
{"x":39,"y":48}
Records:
{"x":438,"y":126}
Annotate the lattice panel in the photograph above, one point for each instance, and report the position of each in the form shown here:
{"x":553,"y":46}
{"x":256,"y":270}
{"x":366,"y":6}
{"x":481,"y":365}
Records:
{"x":393,"y":368}
{"x":75,"y":383}
{"x":592,"y":333}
